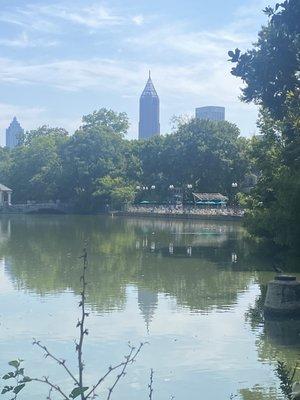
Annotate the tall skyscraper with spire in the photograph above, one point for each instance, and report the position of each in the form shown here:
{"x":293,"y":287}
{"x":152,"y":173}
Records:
{"x":13,"y":132}
{"x":149,"y":112}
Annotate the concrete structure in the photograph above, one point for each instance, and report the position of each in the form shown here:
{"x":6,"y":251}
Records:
{"x":13,"y":132}
{"x":283,"y":297}
{"x":149,"y":125}
{"x":212,"y":113}
{"x":5,"y":196}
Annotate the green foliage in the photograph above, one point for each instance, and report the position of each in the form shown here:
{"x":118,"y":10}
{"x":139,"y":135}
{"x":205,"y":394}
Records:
{"x":270,"y":71}
{"x":43,"y":131}
{"x":77,"y":392}
{"x":117,"y":122}
{"x":209,"y":155}
{"x":114,"y":191}
{"x":18,"y":376}
{"x":286,"y":377}
{"x":96,"y":166}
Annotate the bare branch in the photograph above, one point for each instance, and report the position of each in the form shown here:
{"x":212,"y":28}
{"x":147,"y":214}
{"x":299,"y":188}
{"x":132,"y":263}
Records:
{"x":54,"y":387}
{"x":49,"y":394}
{"x":60,"y":362}
{"x":80,"y":324}
{"x":129,"y":359}
{"x":150,"y":386}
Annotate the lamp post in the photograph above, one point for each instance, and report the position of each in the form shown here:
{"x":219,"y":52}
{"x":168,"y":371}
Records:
{"x":189,"y":187}
{"x":171,"y":188}
{"x":152,"y":188}
{"x":234,"y":185}
{"x":185,"y":192}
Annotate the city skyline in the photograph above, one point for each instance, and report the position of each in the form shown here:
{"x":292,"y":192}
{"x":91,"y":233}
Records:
{"x":62,"y":60}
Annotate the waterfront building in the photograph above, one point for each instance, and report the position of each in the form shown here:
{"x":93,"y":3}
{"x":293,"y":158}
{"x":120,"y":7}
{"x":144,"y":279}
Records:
{"x":212,"y":113}
{"x":13,"y":133}
{"x":5,"y":195}
{"x":149,"y":125}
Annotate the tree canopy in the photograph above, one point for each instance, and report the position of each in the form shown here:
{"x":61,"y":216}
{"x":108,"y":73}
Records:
{"x":270,"y":71}
{"x":97,"y":166}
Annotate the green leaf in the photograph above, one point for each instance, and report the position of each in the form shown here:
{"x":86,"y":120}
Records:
{"x":14,"y":363}
{"x":7,"y":389}
{"x":77,"y":391}
{"x":9,"y":375}
{"x":20,"y":372}
{"x":25,"y":379}
{"x":18,"y":388}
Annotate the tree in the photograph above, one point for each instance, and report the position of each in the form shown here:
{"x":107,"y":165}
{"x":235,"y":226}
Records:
{"x":209,"y":155}
{"x":271,"y":74}
{"x":118,"y":122}
{"x":97,"y":149}
{"x":270,"y":69}
{"x":35,"y":169}
{"x":114,"y":191}
{"x":5,"y":161}
{"x":42,"y":131}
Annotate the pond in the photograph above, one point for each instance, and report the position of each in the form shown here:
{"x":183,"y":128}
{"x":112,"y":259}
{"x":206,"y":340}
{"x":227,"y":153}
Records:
{"x":191,"y":289}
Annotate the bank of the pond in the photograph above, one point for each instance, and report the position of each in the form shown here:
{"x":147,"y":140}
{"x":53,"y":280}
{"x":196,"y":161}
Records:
{"x":202,"y":217}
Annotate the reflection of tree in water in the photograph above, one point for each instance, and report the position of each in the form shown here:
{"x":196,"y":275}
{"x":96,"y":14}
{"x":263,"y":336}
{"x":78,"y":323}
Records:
{"x":259,"y":393}
{"x":4,"y":230}
{"x":277,"y":339}
{"x":201,"y":286}
{"x":41,"y":256}
{"x":255,"y":314}
{"x":42,"y":252}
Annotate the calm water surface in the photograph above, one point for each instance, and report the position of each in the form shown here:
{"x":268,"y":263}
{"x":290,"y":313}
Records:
{"x":191,"y":289}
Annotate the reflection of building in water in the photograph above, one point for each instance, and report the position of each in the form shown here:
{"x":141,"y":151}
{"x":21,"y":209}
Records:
{"x":5,"y":230}
{"x":147,"y":301}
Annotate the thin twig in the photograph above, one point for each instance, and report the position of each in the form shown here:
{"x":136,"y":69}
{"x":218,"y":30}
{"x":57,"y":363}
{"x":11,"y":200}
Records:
{"x":49,"y":394}
{"x":150,"y":385}
{"x":60,"y":362}
{"x":130,"y":358}
{"x":82,"y":330}
{"x":46,"y":381}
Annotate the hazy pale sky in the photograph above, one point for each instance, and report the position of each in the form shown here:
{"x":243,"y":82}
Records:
{"x":62,"y":59}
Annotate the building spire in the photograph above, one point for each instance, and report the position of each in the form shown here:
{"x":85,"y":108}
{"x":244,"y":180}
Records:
{"x":149,"y":74}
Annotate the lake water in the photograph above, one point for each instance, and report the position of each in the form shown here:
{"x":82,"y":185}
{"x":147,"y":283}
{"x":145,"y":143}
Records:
{"x":189,"y":288}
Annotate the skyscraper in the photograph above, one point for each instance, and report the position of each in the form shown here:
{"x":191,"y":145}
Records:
{"x":212,"y":113}
{"x":149,"y":112}
{"x":13,"y":132}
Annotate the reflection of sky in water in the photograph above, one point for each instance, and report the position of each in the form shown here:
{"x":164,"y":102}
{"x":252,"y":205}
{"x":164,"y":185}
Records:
{"x":190,"y":309}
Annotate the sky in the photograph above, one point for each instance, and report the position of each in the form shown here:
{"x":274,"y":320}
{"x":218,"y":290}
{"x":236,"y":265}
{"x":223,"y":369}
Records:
{"x":63,"y":59}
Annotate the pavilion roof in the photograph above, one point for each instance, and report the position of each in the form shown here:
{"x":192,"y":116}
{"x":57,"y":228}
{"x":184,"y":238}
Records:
{"x":4,"y":188}
{"x":210,"y":196}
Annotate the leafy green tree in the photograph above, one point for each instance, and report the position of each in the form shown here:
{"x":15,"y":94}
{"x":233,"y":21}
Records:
{"x":209,"y":155}
{"x":97,"y":149}
{"x":114,"y":191}
{"x":5,"y":162}
{"x":35,"y":169}
{"x":270,"y":71}
{"x":42,"y":131}
{"x":117,"y":122}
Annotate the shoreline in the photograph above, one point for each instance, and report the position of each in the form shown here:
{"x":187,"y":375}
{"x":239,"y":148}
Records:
{"x":178,"y":216}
